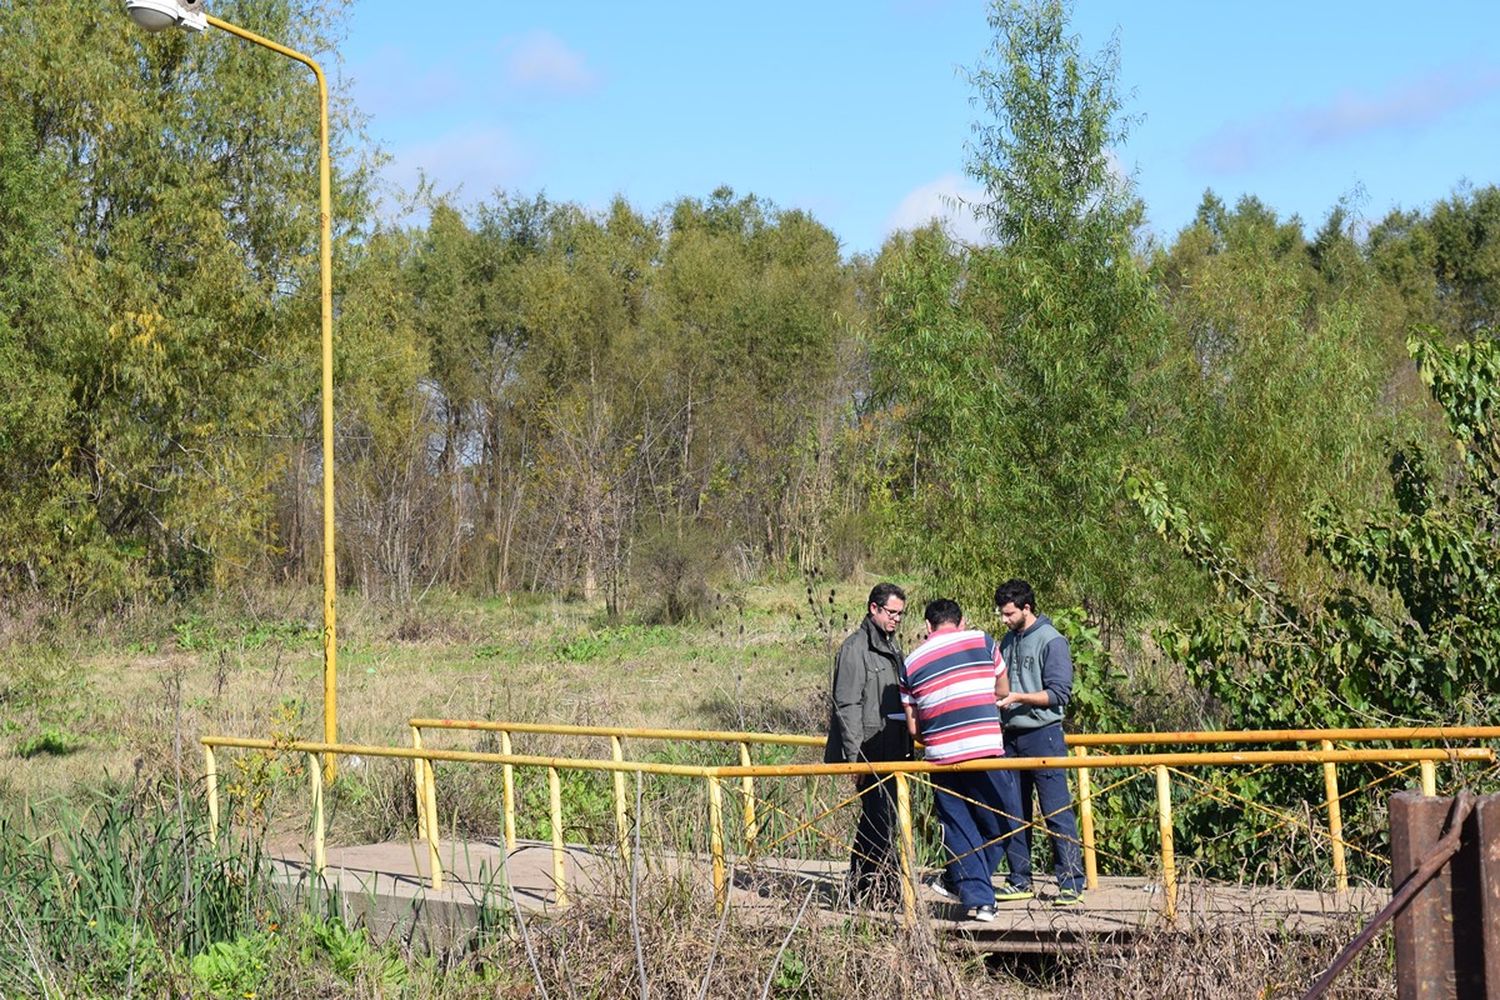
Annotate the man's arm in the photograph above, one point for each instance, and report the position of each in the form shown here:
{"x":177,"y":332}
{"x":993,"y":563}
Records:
{"x":1057,"y":680}
{"x":1002,"y":687}
{"x":848,"y":700}
{"x":1057,"y":673}
{"x":1002,"y":677}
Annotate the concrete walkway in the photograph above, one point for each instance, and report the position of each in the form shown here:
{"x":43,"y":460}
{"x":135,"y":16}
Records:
{"x":387,"y":886}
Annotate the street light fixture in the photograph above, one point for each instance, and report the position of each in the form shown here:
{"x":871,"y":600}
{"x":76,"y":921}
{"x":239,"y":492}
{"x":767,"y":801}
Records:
{"x":158,"y":15}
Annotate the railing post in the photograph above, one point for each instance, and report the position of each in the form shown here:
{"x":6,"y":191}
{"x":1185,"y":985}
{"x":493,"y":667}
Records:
{"x":908,"y":846}
{"x":434,"y":822}
{"x":1086,"y":825}
{"x":622,"y":830}
{"x":1168,"y":859}
{"x":1429,"y":777}
{"x":419,"y":783}
{"x":716,"y":841}
{"x":554,"y":802}
{"x":320,"y":853}
{"x":1335,"y":820}
{"x":211,"y":779}
{"x":747,"y":788}
{"x":508,"y":794}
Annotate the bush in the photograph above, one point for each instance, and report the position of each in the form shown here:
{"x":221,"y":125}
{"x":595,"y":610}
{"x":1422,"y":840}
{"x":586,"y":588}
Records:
{"x":674,"y":566}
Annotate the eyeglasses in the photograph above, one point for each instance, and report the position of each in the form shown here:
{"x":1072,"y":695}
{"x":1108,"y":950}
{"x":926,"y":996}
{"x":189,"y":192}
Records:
{"x":894,"y":612}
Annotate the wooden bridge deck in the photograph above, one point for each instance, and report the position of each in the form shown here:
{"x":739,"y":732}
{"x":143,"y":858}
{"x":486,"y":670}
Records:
{"x":387,"y":885}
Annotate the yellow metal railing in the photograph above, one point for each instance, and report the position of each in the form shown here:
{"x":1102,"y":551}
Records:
{"x":616,"y":735}
{"x":1079,"y":742}
{"x":1161,"y":764}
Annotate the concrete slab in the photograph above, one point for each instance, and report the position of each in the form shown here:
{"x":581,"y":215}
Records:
{"x":388,"y":887}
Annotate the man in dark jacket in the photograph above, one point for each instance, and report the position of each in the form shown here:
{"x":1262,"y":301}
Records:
{"x":1041,"y":682}
{"x":867,"y":723}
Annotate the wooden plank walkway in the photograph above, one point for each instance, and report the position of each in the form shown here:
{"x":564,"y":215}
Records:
{"x":387,"y":885}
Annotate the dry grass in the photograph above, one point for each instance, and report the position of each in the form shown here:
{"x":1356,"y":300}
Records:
{"x":1242,"y":962}
{"x":133,"y":702}
{"x":255,"y":668}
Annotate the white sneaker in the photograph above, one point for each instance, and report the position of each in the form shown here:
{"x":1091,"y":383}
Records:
{"x":985,"y":914}
{"x":940,"y":888}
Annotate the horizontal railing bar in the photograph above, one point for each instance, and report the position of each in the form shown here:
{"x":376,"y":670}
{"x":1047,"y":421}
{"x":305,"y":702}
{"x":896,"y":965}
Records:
{"x":1191,"y":737}
{"x":1288,"y":735}
{"x":1103,"y":761}
{"x":463,"y":756}
{"x":625,"y":732}
{"x":1094,"y":761}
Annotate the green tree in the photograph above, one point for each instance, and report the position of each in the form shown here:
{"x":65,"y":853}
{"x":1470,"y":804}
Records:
{"x":183,"y":335}
{"x":1413,"y":635}
{"x":1025,"y":371}
{"x":1284,"y":373}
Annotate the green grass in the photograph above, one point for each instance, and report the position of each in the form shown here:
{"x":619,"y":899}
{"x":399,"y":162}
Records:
{"x":93,"y":717}
{"x":133,"y":696}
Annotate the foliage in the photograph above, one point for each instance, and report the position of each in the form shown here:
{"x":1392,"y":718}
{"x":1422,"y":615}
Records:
{"x":352,"y":954}
{"x":49,"y":741}
{"x":1286,"y":381}
{"x":674,"y":568}
{"x":153,"y":316}
{"x":255,"y":776}
{"x":115,"y":893}
{"x":1412,"y":636}
{"x":1022,"y":372}
{"x":235,"y":968}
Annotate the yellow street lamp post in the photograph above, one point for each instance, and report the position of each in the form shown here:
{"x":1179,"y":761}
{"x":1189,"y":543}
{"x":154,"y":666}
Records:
{"x":157,"y":15}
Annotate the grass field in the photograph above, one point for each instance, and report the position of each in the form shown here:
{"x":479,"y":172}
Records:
{"x":130,"y":696}
{"x":103,"y":776}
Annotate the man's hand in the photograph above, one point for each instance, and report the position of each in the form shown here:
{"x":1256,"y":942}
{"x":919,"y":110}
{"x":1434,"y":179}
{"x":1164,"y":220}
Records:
{"x":1037,"y":699}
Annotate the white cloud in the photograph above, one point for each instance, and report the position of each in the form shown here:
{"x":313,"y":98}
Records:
{"x":1406,"y":106}
{"x":540,"y":61}
{"x":947,"y":199}
{"x":391,"y":83}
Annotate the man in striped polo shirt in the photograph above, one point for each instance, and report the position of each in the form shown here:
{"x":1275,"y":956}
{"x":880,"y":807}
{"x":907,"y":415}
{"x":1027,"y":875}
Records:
{"x":949,"y":687}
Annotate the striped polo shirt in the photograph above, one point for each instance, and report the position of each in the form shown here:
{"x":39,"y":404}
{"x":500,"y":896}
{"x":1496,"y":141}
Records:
{"x":949,"y":681}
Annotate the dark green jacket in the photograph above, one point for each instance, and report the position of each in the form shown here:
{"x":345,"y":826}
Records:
{"x":864,"y":698}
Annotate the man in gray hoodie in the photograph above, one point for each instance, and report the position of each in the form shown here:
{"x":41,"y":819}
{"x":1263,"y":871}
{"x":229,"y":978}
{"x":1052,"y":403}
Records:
{"x":1040,"y":665}
{"x":867,"y":723}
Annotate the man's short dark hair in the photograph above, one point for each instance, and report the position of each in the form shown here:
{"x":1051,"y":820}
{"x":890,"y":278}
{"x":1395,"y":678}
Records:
{"x":943,"y":612}
{"x":883,"y":592}
{"x":1017,"y":592}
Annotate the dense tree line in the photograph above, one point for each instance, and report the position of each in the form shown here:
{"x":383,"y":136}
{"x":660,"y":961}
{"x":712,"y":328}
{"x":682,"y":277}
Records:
{"x":631,"y":403}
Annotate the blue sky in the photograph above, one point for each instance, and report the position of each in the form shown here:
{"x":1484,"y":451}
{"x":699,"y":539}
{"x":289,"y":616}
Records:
{"x":858,"y":112}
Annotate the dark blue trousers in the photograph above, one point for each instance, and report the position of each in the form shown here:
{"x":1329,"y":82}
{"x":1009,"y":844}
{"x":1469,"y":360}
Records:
{"x":1051,"y":790}
{"x":873,"y":862}
{"x":973,"y":831}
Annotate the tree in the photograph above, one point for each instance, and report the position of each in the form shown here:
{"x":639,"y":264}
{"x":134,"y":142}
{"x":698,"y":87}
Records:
{"x":1025,"y":371}
{"x":1413,"y":635}
{"x":1284,"y":374}
{"x":183,"y":321}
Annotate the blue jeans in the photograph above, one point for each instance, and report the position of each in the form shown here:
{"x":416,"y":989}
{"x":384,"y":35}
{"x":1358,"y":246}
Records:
{"x":973,"y":831}
{"x":1051,"y":787}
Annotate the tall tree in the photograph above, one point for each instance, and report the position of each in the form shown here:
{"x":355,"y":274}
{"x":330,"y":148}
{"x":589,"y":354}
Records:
{"x":1024,"y":371}
{"x":188,"y":339}
{"x":1284,"y":373}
